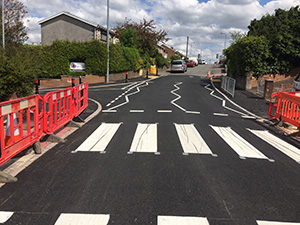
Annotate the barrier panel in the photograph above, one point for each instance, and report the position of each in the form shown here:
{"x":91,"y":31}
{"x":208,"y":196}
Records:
{"x":80,"y":98}
{"x":287,"y":107}
{"x":228,"y":85}
{"x":58,"y":109}
{"x":21,"y":125}
{"x":24,"y":121}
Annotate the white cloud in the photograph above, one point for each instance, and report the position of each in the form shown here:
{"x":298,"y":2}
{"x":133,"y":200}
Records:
{"x":202,"y":22}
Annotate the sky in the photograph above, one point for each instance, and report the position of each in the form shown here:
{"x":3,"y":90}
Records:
{"x":208,"y":23}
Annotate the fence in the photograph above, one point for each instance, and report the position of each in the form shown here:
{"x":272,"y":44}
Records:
{"x":228,"y":85}
{"x":24,"y":121}
{"x":286,"y":107}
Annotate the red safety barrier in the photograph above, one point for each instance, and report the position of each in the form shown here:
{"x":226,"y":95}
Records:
{"x":24,"y":121}
{"x":21,"y":125}
{"x":59,"y":109}
{"x":81,"y":98}
{"x":287,"y":106}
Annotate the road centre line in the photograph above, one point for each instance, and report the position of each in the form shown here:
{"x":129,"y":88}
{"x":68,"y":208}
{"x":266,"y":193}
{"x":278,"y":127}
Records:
{"x":220,"y":114}
{"x":164,"y":111}
{"x":136,"y":111}
{"x":109,"y":111}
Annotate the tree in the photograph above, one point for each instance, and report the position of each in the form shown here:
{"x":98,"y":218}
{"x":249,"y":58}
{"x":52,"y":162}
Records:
{"x":236,"y":35}
{"x":283,"y":31}
{"x":14,"y":13}
{"x":141,"y":36}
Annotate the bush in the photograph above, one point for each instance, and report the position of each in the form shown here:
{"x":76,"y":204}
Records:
{"x":18,"y":72}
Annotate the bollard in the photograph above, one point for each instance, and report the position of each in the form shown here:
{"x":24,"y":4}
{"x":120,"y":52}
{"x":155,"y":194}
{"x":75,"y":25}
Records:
{"x":80,"y":80}
{"x":147,"y":73}
{"x":126,"y":77}
{"x":156,"y":71}
{"x":73,"y":82}
{"x":37,"y":83}
{"x":269,"y":85}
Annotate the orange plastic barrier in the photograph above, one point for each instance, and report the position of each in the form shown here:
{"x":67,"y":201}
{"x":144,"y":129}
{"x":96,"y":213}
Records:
{"x":80,"y":98}
{"x":21,"y":125}
{"x":24,"y":121}
{"x":287,"y":107}
{"x":59,"y":109}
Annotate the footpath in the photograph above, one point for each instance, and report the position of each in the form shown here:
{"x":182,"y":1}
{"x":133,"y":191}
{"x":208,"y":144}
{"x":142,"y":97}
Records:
{"x":253,"y":101}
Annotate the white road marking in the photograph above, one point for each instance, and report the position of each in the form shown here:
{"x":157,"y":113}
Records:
{"x":164,"y":111}
{"x":191,"y":141}
{"x":248,"y":117}
{"x":100,"y":138}
{"x":82,"y":219}
{"x":179,"y":97}
{"x":260,"y":222}
{"x":4,"y":216}
{"x":109,"y":111}
{"x":181,"y":220}
{"x":220,"y":114}
{"x":128,"y":86}
{"x":137,"y":86}
{"x":192,"y":112}
{"x":136,"y":111}
{"x":243,"y":148}
{"x":279,"y":144}
{"x":145,"y":138}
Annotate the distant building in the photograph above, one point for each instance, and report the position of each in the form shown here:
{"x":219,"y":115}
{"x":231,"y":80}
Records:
{"x":66,"y":26}
{"x":162,"y":50}
{"x":171,"y":51}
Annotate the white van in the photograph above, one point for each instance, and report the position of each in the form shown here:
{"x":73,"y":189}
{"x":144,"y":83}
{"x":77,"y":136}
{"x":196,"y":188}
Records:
{"x":195,"y":60}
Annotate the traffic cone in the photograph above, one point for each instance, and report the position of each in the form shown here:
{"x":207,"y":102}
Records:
{"x":16,"y":134}
{"x":208,"y":74}
{"x":69,"y":80}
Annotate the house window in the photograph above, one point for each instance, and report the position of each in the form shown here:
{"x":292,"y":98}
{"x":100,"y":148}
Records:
{"x":103,"y":36}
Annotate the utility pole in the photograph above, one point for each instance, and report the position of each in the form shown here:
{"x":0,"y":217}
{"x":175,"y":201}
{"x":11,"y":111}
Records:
{"x":107,"y":41}
{"x":187,"y":46}
{"x":3,"y":33}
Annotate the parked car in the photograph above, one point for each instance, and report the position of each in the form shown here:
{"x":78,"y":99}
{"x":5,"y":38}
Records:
{"x":178,"y":65}
{"x":195,"y":60}
{"x":190,"y":63}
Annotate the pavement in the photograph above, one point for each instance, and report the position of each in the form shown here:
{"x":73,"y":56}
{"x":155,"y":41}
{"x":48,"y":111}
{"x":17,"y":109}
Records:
{"x":253,"y":102}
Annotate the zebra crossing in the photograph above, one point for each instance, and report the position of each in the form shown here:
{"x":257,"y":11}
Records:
{"x":145,"y":140}
{"x":104,"y":219}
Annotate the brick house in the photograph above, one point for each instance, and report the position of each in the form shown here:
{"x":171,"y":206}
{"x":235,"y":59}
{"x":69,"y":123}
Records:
{"x":66,"y":26}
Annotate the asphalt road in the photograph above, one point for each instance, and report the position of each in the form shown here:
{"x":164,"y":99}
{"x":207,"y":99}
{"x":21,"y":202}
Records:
{"x":162,"y":151}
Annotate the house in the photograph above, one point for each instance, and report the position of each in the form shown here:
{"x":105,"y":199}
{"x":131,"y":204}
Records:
{"x":171,"y":51}
{"x":66,"y":26}
{"x":162,"y":50}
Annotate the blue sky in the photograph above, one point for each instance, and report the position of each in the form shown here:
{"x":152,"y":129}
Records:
{"x":203,"y":21}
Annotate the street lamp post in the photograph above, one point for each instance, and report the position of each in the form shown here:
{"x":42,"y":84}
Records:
{"x":107,"y":41}
{"x":3,"y":33}
{"x":225,"y":39}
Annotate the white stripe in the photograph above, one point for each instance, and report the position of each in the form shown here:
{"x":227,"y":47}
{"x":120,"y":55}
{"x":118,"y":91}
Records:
{"x":82,"y":219}
{"x":279,"y":144}
{"x":181,"y":220}
{"x":192,"y":112}
{"x":248,"y":117}
{"x":24,"y":104}
{"x":109,"y":111}
{"x":238,"y":144}
{"x":260,"y":222}
{"x":6,"y":109}
{"x":100,"y":138}
{"x":220,"y":114}
{"x":145,"y":138}
{"x":4,"y":216}
{"x":62,"y":94}
{"x":191,"y":141}
{"x":164,"y":111}
{"x":54,"y":96}
{"x":136,"y":111}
